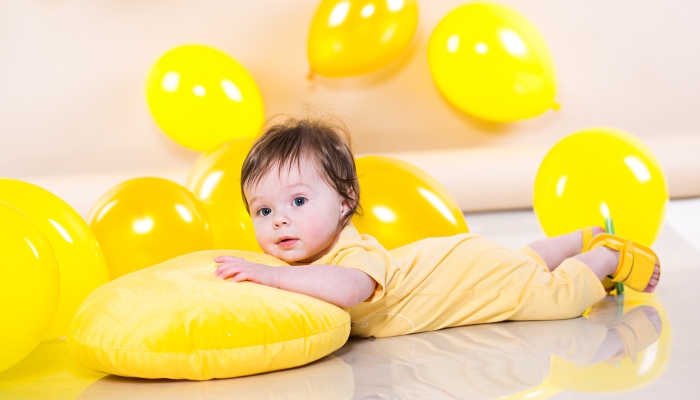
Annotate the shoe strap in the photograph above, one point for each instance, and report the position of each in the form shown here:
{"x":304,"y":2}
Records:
{"x":586,"y":236}
{"x":636,"y":265}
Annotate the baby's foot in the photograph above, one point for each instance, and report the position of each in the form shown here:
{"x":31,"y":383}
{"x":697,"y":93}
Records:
{"x":654,"y":279}
{"x":614,"y":250}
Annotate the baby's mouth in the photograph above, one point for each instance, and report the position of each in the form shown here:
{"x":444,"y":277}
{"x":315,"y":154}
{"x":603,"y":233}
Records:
{"x":287,"y":242}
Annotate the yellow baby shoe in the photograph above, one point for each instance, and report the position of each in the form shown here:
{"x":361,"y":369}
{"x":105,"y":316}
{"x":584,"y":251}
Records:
{"x":637,"y":262}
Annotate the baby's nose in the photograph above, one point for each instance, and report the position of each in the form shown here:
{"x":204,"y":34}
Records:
{"x":281,"y":220}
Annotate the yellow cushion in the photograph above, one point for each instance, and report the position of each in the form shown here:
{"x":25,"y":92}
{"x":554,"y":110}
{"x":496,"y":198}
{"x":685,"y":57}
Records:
{"x":177,"y":320}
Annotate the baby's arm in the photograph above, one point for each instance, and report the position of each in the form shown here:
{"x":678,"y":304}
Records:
{"x":343,"y":287}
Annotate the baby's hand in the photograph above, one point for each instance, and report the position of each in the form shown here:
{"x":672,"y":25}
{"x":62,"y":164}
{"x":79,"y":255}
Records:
{"x":241,"y":270}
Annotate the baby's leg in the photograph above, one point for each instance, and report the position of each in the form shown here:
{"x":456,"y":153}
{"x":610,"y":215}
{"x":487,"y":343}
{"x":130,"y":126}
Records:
{"x":555,"y":250}
{"x":569,"y":288}
{"x":601,"y":260}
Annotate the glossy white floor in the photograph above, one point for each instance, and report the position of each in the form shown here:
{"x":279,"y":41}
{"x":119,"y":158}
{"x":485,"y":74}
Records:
{"x":636,"y":346}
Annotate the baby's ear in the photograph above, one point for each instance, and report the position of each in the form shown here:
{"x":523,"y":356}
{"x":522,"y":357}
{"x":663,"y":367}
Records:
{"x":345,"y":206}
{"x":352,"y":195}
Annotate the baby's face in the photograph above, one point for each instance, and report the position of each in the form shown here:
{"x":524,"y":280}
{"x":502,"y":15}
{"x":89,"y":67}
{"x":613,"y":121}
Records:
{"x":296,"y":214}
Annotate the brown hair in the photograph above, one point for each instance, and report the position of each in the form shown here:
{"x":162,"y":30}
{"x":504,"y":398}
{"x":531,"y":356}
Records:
{"x":326,"y":142}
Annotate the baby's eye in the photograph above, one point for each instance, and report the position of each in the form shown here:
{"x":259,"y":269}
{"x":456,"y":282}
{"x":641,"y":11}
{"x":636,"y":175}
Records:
{"x":299,"y":201}
{"x":264,"y":211}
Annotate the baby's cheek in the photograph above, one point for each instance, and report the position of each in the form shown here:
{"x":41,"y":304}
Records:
{"x":323,"y":229}
{"x":264,"y":244}
{"x":259,"y":234}
{"x":267,"y":244}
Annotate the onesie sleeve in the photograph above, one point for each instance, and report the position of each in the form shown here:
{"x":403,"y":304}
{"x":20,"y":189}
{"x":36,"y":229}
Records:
{"x":368,"y":260}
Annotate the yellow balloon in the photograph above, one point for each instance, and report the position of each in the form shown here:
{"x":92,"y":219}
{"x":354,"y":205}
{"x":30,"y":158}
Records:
{"x":403,"y":204}
{"x":144,"y":221}
{"x":29,"y":286}
{"x":353,"y":37}
{"x":216,"y":180}
{"x":201,"y":97}
{"x":81,"y":263}
{"x":598,"y":173}
{"x":491,"y":63}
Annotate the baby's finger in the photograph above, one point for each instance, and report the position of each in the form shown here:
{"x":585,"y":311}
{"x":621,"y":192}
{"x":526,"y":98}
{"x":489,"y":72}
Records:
{"x":240,"y":277}
{"x":228,"y":271}
{"x":225,"y":263}
{"x":219,"y":269}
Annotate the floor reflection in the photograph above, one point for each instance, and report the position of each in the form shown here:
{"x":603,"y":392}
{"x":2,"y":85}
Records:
{"x":327,"y":378}
{"x":622,"y":344}
{"x":48,"y":372}
{"x":640,"y":324}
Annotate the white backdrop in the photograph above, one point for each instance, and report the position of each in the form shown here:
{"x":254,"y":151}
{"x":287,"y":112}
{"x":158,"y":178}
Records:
{"x":72,"y":76}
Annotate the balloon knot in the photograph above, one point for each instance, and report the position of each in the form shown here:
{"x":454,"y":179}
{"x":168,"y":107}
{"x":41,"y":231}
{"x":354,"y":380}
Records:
{"x":556,"y":106}
{"x":310,"y":75}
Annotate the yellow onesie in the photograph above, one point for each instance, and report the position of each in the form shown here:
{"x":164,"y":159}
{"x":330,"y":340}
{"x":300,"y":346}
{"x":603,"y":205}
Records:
{"x":458,"y":280}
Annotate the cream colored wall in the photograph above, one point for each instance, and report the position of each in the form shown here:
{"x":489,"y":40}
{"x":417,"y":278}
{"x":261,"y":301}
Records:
{"x":72,"y":77}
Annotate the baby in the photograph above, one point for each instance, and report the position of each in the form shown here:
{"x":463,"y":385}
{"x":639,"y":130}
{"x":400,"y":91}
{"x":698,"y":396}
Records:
{"x":300,"y":186}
